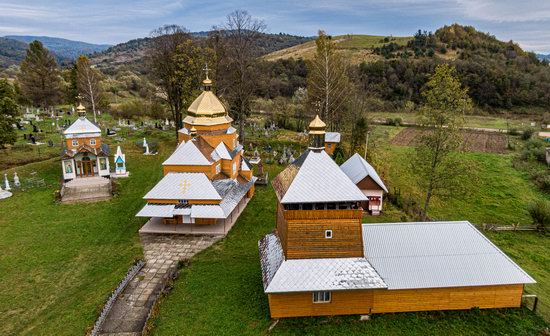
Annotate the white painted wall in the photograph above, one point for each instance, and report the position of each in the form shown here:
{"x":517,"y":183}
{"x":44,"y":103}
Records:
{"x":378,"y":193}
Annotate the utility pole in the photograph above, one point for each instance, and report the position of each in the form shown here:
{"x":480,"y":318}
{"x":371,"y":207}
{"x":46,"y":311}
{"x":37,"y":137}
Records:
{"x":367,"y":144}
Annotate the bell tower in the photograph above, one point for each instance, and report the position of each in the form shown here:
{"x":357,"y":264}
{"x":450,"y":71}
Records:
{"x":317,"y":134}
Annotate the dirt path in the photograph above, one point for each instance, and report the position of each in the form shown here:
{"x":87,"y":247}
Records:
{"x":162,"y":253}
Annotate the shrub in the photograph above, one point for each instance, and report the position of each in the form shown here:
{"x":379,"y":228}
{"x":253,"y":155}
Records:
{"x":534,"y":149}
{"x":540,"y":213}
{"x":527,"y":133}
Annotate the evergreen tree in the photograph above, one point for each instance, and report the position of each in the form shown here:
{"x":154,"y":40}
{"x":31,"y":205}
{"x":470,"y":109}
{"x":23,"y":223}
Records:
{"x":39,"y":77}
{"x":8,"y":111}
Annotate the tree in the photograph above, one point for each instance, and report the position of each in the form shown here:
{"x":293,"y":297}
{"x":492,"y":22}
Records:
{"x":164,"y":70}
{"x":436,"y":163}
{"x":39,"y":77}
{"x":237,"y":57}
{"x":8,"y":111}
{"x":88,"y":83}
{"x":327,"y":82}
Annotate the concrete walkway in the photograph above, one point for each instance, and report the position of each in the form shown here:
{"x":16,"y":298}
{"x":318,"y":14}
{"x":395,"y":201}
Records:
{"x":162,"y":253}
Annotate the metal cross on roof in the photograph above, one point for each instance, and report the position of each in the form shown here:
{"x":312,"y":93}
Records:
{"x":184,"y":185}
{"x":206,"y":70}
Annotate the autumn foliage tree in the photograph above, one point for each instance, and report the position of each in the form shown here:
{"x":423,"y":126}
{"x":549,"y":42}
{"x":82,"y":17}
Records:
{"x":173,"y":58}
{"x":39,"y":77}
{"x":437,"y":163}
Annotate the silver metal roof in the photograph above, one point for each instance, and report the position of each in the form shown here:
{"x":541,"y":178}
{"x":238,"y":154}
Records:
{"x":306,"y":275}
{"x":357,"y":168}
{"x":81,"y":126}
{"x":234,"y":195}
{"x":320,"y":179}
{"x":437,"y":254}
{"x":157,"y":210}
{"x":222,"y":152}
{"x":187,"y":154}
{"x":207,"y":211}
{"x":184,"y":186}
{"x":332,"y":137}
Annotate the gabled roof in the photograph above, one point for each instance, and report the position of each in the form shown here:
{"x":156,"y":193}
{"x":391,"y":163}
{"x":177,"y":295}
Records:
{"x":315,"y":178}
{"x":357,"y":168}
{"x":207,"y":104}
{"x":437,"y":254}
{"x":332,"y":137}
{"x":307,"y":275}
{"x":187,"y":154}
{"x":82,"y":126}
{"x":157,"y":210}
{"x":184,"y":186}
{"x":222,"y":152}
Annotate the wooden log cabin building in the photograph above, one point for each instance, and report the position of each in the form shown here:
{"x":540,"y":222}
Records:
{"x":206,"y":179}
{"x":321,"y":259}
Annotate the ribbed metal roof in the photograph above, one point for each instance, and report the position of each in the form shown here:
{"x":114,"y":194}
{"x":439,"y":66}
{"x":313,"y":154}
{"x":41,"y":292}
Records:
{"x":437,"y":254}
{"x":357,"y":168}
{"x":332,"y":137}
{"x":184,"y":186}
{"x":207,"y":211}
{"x":315,"y":177}
{"x":187,"y":154}
{"x":157,"y":210}
{"x":81,"y":126}
{"x":306,"y":275}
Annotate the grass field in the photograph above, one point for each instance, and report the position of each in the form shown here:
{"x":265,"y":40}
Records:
{"x":356,"y":48}
{"x":220,"y":293}
{"x":495,"y":122}
{"x":60,"y":262}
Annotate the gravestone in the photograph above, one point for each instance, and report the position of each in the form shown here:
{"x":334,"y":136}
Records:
{"x":33,"y":140}
{"x":16,"y":181}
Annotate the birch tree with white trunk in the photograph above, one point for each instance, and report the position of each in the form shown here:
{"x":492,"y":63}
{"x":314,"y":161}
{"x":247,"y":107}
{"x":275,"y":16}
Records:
{"x":89,"y":84}
{"x":328,"y":82}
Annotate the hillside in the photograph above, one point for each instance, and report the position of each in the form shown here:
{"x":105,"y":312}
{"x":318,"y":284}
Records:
{"x":130,"y":53}
{"x":357,"y":48}
{"x":12,"y":52}
{"x":63,"y":48}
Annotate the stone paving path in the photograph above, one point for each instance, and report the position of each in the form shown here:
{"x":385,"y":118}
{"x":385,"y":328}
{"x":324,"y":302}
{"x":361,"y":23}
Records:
{"x":162,"y":253}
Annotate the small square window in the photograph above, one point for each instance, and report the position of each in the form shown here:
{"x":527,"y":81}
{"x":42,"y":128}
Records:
{"x":75,"y":142}
{"x":92,"y":142}
{"x":328,"y":234}
{"x":218,"y":168}
{"x":322,"y":297}
{"x":329,"y":145}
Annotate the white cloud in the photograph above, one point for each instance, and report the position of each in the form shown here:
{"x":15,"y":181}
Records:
{"x":506,"y":10}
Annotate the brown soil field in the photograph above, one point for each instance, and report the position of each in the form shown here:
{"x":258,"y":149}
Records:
{"x":474,"y":141}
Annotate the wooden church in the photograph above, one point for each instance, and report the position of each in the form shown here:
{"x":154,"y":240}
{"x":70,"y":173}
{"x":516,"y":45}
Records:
{"x":207,"y":181}
{"x":321,"y":259}
{"x":84,"y":153}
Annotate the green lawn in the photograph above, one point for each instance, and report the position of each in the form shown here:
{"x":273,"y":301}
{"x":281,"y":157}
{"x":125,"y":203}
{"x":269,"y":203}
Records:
{"x":500,"y":195}
{"x":60,"y":262}
{"x":220,"y":293}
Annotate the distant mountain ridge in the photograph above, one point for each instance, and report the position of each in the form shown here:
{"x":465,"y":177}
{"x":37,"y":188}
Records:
{"x":63,"y":48}
{"x":132,"y":52}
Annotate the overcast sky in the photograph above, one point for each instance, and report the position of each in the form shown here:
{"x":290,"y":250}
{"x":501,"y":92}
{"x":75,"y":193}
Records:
{"x":102,"y":21}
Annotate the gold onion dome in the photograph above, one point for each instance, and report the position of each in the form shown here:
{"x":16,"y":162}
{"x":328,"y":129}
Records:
{"x":317,"y":126}
{"x":207,"y":104}
{"x":81,"y":110}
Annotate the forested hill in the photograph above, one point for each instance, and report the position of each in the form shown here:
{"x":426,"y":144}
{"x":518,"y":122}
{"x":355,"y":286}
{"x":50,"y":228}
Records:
{"x":63,"y":48}
{"x":12,"y":52}
{"x":498,"y":74}
{"x":131,"y":52}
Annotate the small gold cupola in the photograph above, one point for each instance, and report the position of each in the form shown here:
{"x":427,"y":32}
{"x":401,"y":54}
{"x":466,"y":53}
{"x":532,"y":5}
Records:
{"x":81,"y":111}
{"x":317,"y":134}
